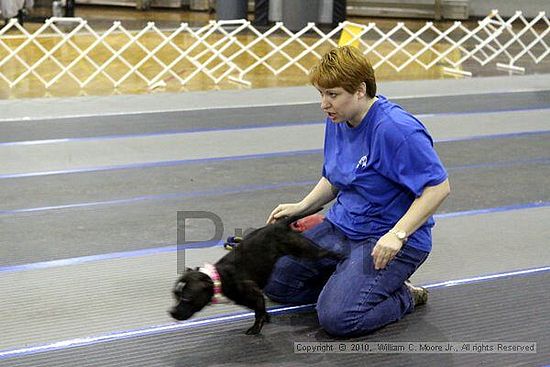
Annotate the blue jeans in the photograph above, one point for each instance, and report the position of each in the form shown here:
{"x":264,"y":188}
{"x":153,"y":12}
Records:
{"x":352,"y":297}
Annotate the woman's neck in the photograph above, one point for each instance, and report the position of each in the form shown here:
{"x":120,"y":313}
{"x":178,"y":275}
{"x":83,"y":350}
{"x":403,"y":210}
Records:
{"x":361,"y":115}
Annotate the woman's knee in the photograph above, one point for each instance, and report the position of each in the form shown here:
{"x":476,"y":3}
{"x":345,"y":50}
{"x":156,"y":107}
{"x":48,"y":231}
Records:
{"x":346,"y":323}
{"x":333,"y":322}
{"x":336,"y":322}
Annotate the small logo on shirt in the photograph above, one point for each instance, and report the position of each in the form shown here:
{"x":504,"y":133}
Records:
{"x":362,"y":162}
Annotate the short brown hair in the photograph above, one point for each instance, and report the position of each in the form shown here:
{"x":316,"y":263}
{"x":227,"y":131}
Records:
{"x":344,"y":67}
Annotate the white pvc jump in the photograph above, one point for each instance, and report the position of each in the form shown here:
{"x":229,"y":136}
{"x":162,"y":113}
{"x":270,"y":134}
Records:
{"x":212,"y":53}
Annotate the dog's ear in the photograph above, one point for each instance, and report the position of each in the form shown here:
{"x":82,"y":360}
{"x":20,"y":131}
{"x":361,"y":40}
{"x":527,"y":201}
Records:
{"x":188,"y":269}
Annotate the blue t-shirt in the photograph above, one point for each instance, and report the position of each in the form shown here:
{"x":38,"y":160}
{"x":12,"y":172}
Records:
{"x":380,"y":167}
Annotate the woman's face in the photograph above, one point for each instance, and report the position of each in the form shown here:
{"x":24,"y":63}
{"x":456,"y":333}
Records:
{"x":340,"y":105}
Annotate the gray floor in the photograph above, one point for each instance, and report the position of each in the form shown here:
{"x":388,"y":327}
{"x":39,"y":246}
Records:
{"x":89,"y":202}
{"x":476,"y":306}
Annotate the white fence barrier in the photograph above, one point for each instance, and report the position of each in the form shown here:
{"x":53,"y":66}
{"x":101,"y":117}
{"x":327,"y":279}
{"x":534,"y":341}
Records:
{"x":231,"y":50}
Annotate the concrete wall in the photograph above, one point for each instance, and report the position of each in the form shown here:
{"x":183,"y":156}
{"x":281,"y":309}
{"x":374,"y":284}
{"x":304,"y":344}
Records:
{"x":507,"y":8}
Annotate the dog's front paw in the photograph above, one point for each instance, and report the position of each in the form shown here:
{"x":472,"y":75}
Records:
{"x":258,"y":324}
{"x":254,"y":330}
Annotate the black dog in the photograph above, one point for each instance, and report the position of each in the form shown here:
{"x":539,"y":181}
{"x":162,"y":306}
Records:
{"x":244,"y":272}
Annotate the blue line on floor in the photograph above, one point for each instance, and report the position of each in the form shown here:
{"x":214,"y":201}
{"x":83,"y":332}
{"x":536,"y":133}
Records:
{"x":239,"y":189}
{"x":212,"y":243}
{"x":240,"y":127}
{"x":506,"y":208}
{"x":487,"y":277}
{"x":236,"y":158}
{"x":163,"y":164}
{"x":162,"y":133}
{"x":170,"y":196}
{"x":495,"y":136}
{"x":226,"y":318}
{"x":109,"y":256}
{"x":540,"y":160}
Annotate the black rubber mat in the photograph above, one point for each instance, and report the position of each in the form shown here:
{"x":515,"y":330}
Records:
{"x":157,"y":122}
{"x":498,"y":170}
{"x":28,"y":237}
{"x":514,"y":309}
{"x":462,"y":155}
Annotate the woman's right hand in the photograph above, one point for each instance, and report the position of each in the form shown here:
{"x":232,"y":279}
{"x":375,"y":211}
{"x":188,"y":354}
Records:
{"x":285,"y":210}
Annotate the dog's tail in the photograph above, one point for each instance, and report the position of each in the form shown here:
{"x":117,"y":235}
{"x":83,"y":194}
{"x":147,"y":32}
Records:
{"x":286,"y":221}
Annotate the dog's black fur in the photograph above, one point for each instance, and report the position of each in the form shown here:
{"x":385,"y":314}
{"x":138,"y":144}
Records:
{"x":245,"y":271}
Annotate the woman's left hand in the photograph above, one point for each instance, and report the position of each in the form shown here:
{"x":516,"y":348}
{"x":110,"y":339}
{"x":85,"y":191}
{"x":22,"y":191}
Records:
{"x":385,"y":250}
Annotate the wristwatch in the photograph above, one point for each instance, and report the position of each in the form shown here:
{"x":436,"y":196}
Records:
{"x":401,"y":235}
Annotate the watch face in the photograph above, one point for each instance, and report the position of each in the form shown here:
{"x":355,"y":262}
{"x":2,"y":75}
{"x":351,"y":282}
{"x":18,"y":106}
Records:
{"x":401,"y":235}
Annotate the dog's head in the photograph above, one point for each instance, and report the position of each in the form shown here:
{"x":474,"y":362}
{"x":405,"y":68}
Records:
{"x":192,"y":292}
